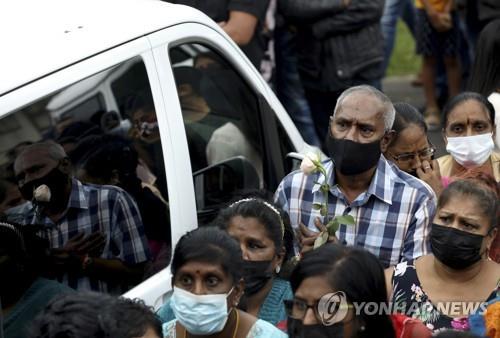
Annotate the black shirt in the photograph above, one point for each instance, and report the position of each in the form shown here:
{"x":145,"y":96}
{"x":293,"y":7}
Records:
{"x":218,"y":10}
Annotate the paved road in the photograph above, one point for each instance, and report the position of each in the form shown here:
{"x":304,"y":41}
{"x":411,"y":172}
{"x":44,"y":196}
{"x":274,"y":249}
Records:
{"x":400,"y":89}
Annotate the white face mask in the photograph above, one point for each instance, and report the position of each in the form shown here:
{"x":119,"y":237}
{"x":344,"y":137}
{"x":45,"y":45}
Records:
{"x":471,"y":151}
{"x":200,"y":314}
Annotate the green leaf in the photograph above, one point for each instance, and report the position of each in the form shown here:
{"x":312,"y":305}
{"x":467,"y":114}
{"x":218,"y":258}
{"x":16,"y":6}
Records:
{"x":324,"y":211}
{"x":321,"y":239}
{"x":332,"y":228}
{"x":346,"y":219}
{"x":317,"y":206}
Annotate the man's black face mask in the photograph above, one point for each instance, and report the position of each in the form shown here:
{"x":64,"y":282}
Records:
{"x":57,"y":182}
{"x":353,"y":158}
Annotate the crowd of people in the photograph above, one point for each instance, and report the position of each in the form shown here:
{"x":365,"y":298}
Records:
{"x":81,"y":217}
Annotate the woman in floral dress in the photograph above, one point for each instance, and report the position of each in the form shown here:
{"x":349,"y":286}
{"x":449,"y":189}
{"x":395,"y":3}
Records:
{"x":442,"y":289}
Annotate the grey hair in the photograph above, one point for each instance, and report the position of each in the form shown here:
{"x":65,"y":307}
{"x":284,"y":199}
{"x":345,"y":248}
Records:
{"x":55,"y":150}
{"x":389,"y":111}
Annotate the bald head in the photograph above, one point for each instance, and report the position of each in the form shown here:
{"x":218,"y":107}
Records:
{"x":385,"y":108}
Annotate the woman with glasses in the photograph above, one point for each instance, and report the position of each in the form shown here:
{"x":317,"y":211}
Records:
{"x":410,"y":148}
{"x":330,"y":286}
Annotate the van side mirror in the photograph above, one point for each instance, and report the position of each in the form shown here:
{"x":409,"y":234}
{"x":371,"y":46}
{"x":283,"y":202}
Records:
{"x":216,"y":185}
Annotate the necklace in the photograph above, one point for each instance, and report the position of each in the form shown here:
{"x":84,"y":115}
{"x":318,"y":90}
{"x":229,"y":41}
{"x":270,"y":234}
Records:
{"x":235,"y":328}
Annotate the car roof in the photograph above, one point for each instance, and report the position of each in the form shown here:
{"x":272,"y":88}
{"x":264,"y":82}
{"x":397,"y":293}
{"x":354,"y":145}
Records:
{"x":40,"y":37}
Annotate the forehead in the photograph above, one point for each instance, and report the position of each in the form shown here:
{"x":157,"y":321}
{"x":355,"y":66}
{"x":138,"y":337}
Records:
{"x":362,"y":107}
{"x":464,"y":205}
{"x":201,"y":268}
{"x":31,"y":157}
{"x":313,"y":288}
{"x":411,"y":139}
{"x":468,"y":110}
{"x":246,"y":225}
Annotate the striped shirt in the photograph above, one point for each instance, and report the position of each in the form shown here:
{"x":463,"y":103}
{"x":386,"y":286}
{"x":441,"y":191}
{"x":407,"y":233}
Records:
{"x":393,"y":217}
{"x":92,"y":208}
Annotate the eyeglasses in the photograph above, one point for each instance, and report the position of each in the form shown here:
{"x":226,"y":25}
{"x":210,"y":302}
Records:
{"x":425,"y":154}
{"x":297,"y":308}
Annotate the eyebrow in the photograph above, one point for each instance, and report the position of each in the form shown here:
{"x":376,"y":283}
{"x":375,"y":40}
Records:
{"x":468,"y":219}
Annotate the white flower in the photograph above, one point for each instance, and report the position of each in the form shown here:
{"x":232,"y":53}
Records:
{"x":307,"y":165}
{"x":42,"y":194}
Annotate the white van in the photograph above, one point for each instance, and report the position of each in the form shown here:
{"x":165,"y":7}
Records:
{"x":69,"y":61}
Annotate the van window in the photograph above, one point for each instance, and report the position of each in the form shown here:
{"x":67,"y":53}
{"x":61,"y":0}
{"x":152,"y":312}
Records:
{"x":83,"y":180}
{"x":222,"y":122}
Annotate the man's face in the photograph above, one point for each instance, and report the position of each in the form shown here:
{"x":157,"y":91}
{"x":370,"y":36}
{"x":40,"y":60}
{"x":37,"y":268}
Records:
{"x":359,"y":119}
{"x":142,"y":121}
{"x":33,"y":164}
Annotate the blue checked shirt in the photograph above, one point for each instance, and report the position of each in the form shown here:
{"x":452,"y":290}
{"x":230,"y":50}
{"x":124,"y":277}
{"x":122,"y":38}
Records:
{"x":393,"y":217}
{"x":92,"y":208}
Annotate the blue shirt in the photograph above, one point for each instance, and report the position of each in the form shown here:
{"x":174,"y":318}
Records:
{"x":393,"y":216}
{"x":92,"y":208}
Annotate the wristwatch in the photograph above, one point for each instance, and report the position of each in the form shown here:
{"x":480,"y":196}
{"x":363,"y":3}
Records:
{"x":86,"y":262}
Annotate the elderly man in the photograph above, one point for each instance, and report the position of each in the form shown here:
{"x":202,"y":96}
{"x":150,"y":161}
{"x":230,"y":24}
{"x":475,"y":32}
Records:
{"x":392,"y":210}
{"x":95,"y":233}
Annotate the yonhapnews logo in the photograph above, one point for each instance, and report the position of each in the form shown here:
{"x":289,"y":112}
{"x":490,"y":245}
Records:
{"x":333,"y":308}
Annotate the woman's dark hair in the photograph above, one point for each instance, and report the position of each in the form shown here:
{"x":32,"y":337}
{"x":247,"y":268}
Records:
{"x":353,"y":271}
{"x":485,"y":75}
{"x":266,"y":213}
{"x":90,"y":314}
{"x":406,"y":115}
{"x":466,"y":96}
{"x":211,"y":245}
{"x":486,"y":200}
{"x":101,"y":155}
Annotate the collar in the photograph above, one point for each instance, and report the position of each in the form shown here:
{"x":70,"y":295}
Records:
{"x":381,"y":185}
{"x":77,"y":198}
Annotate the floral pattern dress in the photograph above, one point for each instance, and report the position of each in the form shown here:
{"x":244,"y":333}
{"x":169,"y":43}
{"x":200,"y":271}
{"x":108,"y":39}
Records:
{"x":409,"y":298}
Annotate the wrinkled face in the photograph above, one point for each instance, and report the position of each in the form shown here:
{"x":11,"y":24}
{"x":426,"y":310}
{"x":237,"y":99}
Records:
{"x":462,"y":212}
{"x":468,"y":118}
{"x":360,"y":119}
{"x":409,"y":149}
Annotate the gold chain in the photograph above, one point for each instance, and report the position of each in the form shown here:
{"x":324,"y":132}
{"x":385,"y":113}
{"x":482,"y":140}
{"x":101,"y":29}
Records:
{"x":235,"y":328}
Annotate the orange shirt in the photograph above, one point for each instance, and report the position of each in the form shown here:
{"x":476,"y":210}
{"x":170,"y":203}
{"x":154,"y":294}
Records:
{"x":438,"y":5}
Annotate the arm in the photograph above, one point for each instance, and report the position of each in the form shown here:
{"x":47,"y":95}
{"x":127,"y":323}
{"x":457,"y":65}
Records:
{"x":244,"y":15}
{"x":240,"y":27}
{"x":297,"y":10}
{"x":357,"y":15}
{"x":416,"y":243}
{"x":388,"y":281}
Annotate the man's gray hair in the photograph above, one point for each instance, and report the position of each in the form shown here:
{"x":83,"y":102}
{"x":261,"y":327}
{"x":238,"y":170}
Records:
{"x":55,"y":150}
{"x":389,"y":111}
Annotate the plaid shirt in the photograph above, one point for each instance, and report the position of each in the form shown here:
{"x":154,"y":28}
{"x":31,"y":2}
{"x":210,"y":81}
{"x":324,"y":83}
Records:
{"x":94,"y":208}
{"x":393,"y":217}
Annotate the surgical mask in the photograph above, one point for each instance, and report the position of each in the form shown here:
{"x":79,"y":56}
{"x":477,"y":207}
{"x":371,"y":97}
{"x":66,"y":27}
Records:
{"x":353,"y":158}
{"x":148,"y":128}
{"x":200,"y":314}
{"x":298,"y":330}
{"x":471,"y":151}
{"x":455,"y":248}
{"x":256,"y":275}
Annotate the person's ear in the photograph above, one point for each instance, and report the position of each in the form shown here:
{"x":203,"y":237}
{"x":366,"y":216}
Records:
{"x":278,"y":259}
{"x":386,"y":140}
{"x":115,"y":177}
{"x":185,"y":89}
{"x":238,"y":291}
{"x":65,"y":166}
{"x":490,"y":238}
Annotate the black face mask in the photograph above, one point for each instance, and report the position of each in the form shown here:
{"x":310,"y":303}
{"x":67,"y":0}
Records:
{"x":353,"y":158}
{"x":256,"y":275}
{"x":57,"y":182}
{"x":455,"y":248}
{"x":298,"y":330}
